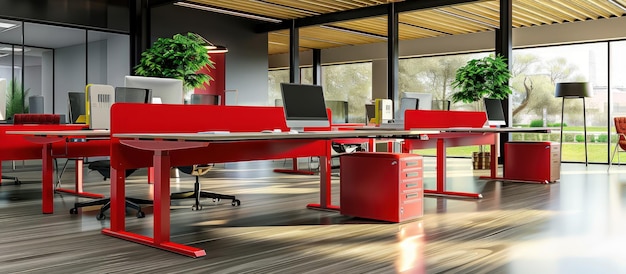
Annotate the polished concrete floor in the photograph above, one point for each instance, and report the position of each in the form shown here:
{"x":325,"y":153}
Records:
{"x":577,"y":225}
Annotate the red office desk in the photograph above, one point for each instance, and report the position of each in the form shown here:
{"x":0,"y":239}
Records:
{"x":14,"y":147}
{"x":468,"y":136}
{"x":65,"y":144}
{"x":178,"y":149}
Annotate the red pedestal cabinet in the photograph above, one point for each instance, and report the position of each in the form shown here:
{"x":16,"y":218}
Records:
{"x":382,"y":186}
{"x":532,"y":161}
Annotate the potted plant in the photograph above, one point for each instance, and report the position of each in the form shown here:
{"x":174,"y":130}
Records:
{"x":180,"y":57}
{"x":16,"y":99}
{"x":486,"y":77}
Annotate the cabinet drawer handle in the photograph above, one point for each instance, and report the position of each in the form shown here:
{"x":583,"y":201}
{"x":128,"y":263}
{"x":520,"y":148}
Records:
{"x":413,"y":195}
{"x":411,"y":185}
{"x":412,"y":174}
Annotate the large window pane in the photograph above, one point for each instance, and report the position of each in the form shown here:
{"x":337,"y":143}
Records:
{"x":351,"y":83}
{"x":618,"y":90}
{"x":535,"y":73}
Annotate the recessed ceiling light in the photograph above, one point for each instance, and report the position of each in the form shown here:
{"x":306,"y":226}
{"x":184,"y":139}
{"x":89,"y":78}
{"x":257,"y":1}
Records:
{"x":4,"y":25}
{"x":16,"y":49}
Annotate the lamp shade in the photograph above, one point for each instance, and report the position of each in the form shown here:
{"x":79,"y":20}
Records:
{"x":573,"y":90}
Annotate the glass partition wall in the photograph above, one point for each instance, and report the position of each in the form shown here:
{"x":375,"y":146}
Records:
{"x":49,"y":61}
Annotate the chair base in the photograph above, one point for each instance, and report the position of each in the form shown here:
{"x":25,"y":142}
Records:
{"x":15,"y":179}
{"x":106,"y":204}
{"x":197,"y":193}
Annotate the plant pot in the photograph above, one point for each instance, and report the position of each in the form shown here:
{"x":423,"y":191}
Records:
{"x":481,"y":160}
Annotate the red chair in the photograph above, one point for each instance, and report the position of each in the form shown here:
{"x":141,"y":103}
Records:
{"x":620,"y":129}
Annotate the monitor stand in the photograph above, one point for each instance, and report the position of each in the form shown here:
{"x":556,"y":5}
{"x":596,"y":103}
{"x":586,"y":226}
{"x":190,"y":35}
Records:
{"x":296,"y":129}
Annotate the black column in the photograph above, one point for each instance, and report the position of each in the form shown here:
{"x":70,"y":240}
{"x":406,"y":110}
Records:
{"x":139,"y":23}
{"x":504,"y":47}
{"x":317,"y":66}
{"x":294,"y":53}
{"x":392,"y":53}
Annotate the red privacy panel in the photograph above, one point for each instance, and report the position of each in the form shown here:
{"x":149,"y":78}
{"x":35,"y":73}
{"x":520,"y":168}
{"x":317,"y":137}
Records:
{"x":166,"y":118}
{"x":443,"y":119}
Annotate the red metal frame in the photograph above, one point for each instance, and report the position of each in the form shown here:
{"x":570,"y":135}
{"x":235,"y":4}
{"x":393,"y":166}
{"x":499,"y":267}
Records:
{"x":162,"y":154}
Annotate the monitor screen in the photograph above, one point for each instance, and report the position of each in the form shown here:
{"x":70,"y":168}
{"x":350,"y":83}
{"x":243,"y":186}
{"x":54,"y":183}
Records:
{"x":133,"y":95}
{"x":304,"y":106}
{"x":412,"y":101}
{"x":168,"y":90}
{"x":204,"y":99}
{"x":495,"y":114}
{"x":76,"y":101}
{"x":370,"y":112}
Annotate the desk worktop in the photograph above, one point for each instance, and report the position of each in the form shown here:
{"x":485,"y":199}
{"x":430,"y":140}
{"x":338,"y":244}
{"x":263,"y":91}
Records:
{"x":365,"y":133}
{"x":90,"y":133}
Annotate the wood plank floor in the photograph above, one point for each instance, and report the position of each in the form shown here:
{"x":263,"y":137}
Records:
{"x":577,"y":225}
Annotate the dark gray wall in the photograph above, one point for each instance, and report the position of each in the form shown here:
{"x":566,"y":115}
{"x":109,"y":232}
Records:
{"x":104,"y":14}
{"x":246,"y":60}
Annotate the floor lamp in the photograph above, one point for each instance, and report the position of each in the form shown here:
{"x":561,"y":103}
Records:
{"x":574,"y":90}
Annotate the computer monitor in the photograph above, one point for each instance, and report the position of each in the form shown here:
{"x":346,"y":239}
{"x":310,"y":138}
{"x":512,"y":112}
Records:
{"x":370,"y":112}
{"x":132,"y":95}
{"x":495,"y":114}
{"x":168,"y":90}
{"x":412,"y":101}
{"x":304,"y":106}
{"x":76,"y":103}
{"x":204,"y":99}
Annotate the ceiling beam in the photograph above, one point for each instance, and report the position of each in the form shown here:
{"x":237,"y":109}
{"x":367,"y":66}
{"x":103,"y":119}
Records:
{"x":372,"y":11}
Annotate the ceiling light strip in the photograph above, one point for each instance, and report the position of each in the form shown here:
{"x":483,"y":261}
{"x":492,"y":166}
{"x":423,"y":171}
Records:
{"x":371,"y":35}
{"x":229,"y":12}
{"x":618,"y":4}
{"x":467,"y":18}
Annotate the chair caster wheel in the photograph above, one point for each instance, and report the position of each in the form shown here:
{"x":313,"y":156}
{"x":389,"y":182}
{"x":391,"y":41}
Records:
{"x":140,"y":214}
{"x":198,"y":207}
{"x":100,"y":216}
{"x":236,"y":203}
{"x":73,"y":210}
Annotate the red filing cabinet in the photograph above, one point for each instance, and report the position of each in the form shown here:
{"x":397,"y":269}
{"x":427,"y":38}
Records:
{"x":382,"y":186}
{"x":532,"y":161}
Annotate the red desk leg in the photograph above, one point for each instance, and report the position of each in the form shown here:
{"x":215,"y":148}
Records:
{"x":161,"y":239}
{"x":78,"y":187}
{"x":325,"y":184}
{"x":47,"y":184}
{"x":441,"y":177}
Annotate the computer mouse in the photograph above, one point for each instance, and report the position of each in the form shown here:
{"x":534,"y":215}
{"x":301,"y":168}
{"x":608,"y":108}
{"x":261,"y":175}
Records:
{"x":293,"y":131}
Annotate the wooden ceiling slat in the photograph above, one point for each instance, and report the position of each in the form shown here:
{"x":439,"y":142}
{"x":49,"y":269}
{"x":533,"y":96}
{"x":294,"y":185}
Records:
{"x":457,"y":19}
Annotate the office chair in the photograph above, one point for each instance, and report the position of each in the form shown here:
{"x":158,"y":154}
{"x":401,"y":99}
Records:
{"x":128,"y":95}
{"x":197,"y":171}
{"x":15,"y":179}
{"x":104,"y":168}
{"x":200,"y":170}
{"x":620,"y":129}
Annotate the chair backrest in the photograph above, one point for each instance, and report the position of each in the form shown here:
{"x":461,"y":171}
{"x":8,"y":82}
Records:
{"x":205,"y":99}
{"x":32,"y":118}
{"x":620,"y":128}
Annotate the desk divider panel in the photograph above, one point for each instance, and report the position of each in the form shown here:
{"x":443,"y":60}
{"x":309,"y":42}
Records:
{"x":443,"y":119}
{"x":168,"y":118}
